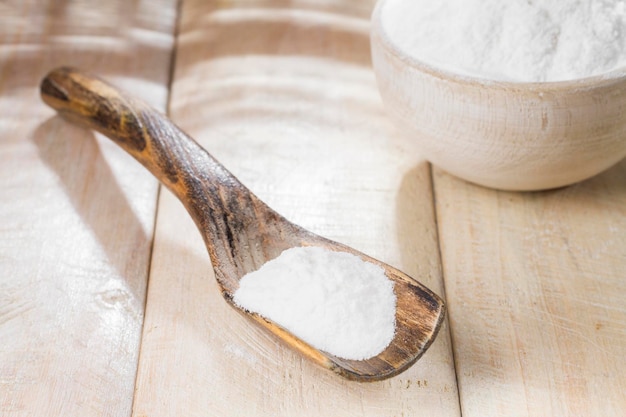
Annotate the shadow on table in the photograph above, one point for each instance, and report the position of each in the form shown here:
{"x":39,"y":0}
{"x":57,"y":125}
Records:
{"x":75,"y":157}
{"x":610,"y":184}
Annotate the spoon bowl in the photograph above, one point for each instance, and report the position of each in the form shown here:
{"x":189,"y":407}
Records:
{"x":241,"y":232}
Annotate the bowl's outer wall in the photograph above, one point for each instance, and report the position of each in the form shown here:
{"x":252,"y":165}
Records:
{"x":503,"y":135}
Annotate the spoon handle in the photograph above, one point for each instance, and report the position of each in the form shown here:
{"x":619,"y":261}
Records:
{"x":143,"y":132}
{"x":215,"y":199}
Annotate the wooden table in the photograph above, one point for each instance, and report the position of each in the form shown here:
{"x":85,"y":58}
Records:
{"x":108,"y":306}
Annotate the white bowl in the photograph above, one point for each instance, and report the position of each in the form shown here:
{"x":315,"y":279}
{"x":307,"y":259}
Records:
{"x":505,"y":135}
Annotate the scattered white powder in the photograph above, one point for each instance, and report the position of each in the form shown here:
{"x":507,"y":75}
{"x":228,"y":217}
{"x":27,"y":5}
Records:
{"x":514,"y":40}
{"x":334,"y":301}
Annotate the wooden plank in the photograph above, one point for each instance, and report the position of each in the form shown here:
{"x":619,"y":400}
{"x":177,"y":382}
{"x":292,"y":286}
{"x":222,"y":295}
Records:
{"x":286,"y":98}
{"x":536,"y":290}
{"x":76,"y":213}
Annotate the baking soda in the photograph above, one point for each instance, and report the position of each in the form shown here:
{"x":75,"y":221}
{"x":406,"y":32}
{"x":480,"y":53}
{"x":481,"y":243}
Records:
{"x":511,"y":40}
{"x":334,"y":301}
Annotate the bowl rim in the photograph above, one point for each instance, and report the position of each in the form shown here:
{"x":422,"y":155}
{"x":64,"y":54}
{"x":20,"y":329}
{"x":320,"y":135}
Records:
{"x":607,"y":79}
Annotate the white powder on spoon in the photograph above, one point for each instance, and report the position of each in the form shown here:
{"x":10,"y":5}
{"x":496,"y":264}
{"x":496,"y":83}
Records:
{"x":514,"y":40}
{"x":334,"y":301}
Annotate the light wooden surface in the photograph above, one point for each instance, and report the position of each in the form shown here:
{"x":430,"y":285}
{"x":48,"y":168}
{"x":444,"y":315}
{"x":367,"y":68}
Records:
{"x":76,"y":213}
{"x":536,"y":289}
{"x":282,"y":93}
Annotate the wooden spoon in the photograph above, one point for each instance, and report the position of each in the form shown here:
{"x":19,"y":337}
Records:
{"x":239,"y":230}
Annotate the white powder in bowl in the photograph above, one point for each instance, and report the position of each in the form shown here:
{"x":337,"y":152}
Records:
{"x":334,"y":301}
{"x":514,"y":40}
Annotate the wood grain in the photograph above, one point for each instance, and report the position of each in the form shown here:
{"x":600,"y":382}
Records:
{"x":297,"y":118}
{"x":536,"y":290}
{"x":76,"y":217}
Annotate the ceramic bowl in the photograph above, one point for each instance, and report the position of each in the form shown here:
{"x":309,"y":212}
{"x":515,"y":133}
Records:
{"x":505,"y":135}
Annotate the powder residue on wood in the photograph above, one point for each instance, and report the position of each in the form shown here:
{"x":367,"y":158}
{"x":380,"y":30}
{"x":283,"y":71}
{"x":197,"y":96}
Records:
{"x":334,"y":301}
{"x":513,"y":40}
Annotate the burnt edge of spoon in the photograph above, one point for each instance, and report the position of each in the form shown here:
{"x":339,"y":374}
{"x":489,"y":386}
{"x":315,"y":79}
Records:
{"x":240,"y":231}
